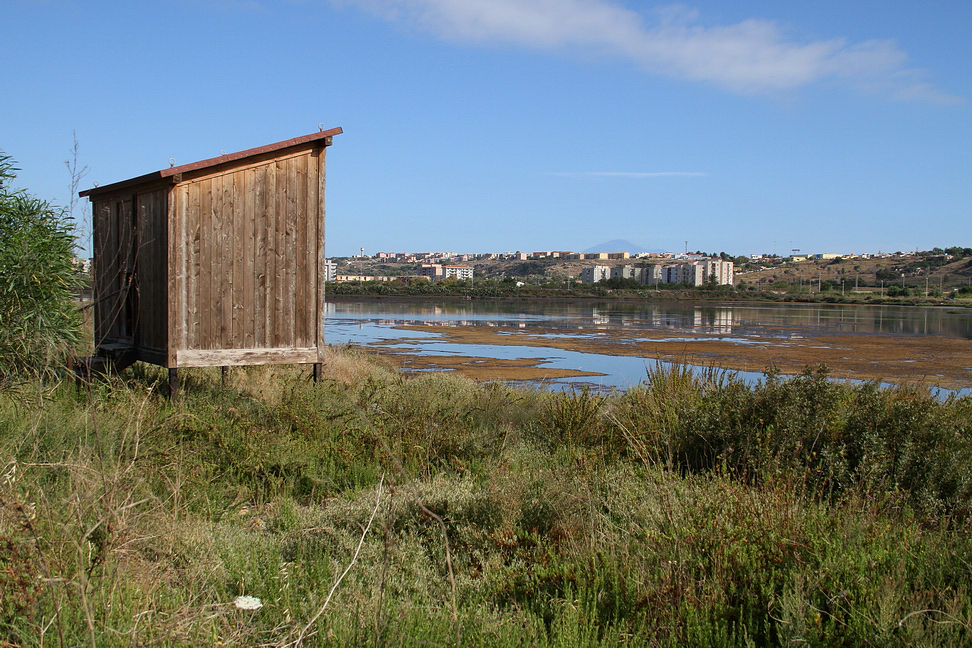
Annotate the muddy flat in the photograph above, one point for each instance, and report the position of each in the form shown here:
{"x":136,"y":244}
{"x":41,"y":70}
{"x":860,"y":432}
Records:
{"x":900,"y":359}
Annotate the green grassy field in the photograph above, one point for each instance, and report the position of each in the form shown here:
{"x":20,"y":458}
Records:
{"x":377,"y":509}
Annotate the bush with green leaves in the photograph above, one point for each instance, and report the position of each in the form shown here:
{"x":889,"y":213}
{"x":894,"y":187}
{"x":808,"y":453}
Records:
{"x":39,"y":321}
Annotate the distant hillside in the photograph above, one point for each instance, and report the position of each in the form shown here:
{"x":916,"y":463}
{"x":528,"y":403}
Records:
{"x":620,"y":245}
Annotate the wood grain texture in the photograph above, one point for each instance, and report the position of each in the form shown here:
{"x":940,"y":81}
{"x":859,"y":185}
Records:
{"x":321,"y":250}
{"x":225,"y":268}
{"x":242,"y":357}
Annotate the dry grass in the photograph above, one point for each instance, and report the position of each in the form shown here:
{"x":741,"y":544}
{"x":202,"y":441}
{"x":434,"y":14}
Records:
{"x":504,"y":518}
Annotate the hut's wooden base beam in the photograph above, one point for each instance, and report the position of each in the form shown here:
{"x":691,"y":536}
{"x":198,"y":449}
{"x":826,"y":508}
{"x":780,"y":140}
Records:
{"x":242,"y":357}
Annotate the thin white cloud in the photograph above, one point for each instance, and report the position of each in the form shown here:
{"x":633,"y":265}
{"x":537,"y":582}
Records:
{"x":751,"y":57}
{"x":634,"y":174}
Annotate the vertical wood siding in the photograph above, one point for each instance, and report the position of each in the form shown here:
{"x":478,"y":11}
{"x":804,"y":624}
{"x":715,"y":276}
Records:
{"x":150,"y":256}
{"x":251,"y":242}
{"x":106,"y":284}
{"x":221,"y":268}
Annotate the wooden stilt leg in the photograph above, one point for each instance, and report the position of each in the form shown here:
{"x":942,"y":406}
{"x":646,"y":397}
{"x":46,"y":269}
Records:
{"x":224,"y":375}
{"x":318,"y":370}
{"x":174,"y":385}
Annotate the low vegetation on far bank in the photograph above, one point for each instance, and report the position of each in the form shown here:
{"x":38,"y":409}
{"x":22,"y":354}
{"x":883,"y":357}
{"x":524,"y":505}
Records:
{"x":621,"y":290}
{"x":379,"y":509}
{"x":932,"y":277}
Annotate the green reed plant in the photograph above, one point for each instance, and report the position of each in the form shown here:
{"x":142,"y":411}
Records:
{"x":572,"y":418}
{"x":39,"y":323}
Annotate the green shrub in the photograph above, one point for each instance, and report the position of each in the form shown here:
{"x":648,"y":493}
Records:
{"x":38,"y":321}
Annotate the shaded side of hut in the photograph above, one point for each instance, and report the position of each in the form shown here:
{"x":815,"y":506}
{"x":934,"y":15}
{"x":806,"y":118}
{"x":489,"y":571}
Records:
{"x":216,"y":263}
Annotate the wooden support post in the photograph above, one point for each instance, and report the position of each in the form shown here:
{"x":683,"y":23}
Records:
{"x":174,"y":385}
{"x":318,"y":370}
{"x":224,"y":374}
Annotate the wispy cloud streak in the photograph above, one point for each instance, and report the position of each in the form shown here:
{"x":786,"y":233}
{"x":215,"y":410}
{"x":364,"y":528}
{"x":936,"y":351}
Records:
{"x":750,"y":57}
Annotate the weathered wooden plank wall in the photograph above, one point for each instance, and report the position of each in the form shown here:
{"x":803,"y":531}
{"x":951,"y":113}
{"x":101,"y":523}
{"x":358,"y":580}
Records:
{"x":321,"y":272}
{"x":106,"y":283}
{"x":151,"y":261}
{"x":179,"y":240}
{"x":251,"y":238}
{"x":218,"y":262}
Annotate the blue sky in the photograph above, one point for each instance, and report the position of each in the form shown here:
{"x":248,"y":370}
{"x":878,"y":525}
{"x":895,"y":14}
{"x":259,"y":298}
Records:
{"x":502,"y":125}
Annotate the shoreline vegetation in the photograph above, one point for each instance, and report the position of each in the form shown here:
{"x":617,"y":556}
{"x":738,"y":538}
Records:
{"x":379,"y":509}
{"x":489,"y":289}
{"x":934,"y":277}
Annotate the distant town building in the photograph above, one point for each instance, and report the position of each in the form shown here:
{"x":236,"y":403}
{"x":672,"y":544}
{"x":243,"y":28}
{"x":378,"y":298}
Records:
{"x":649,"y":275}
{"x":717,"y":271}
{"x":431,"y":270}
{"x":341,"y":278}
{"x":623,"y":272}
{"x":83,"y":265}
{"x":438,"y":272}
{"x":458,"y":271}
{"x":695,"y":273}
{"x":595,"y":273}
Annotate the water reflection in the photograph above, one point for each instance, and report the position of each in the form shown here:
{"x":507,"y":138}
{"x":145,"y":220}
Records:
{"x":779,"y":320}
{"x":367,"y":322}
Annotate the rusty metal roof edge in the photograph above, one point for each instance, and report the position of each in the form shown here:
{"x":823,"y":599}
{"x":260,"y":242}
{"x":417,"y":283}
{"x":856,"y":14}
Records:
{"x":203,"y":164}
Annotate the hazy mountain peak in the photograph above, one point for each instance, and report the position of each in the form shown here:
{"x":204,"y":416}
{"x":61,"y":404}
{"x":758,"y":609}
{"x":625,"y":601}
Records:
{"x":619,"y":245}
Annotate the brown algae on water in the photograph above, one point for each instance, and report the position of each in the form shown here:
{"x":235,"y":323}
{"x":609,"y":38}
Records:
{"x":900,"y":359}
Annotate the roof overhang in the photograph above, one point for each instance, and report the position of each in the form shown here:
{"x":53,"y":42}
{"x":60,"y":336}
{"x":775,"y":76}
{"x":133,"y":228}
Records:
{"x":174,"y":173}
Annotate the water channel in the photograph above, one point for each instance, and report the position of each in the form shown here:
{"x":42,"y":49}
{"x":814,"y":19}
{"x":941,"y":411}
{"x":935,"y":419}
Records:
{"x":411,"y":328}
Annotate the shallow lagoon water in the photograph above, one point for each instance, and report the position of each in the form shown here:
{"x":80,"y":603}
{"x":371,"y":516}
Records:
{"x":375,"y":322}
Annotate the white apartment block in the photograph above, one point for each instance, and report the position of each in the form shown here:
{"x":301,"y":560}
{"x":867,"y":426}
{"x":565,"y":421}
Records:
{"x":623,"y":272}
{"x":696,"y":273}
{"x":596,"y":273}
{"x":438,"y":272}
{"x":649,"y":275}
{"x":458,"y":271}
{"x":690,"y":273}
{"x":721,"y":270}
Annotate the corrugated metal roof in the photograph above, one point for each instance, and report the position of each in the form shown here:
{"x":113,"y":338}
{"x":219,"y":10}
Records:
{"x":212,"y":162}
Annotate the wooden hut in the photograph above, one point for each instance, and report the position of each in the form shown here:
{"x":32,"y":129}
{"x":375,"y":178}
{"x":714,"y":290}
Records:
{"x":216,"y":263}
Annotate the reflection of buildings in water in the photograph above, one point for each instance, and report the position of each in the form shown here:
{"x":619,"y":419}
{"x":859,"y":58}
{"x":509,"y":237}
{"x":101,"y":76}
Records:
{"x":666,"y":320}
{"x":718,"y":320}
{"x":614,"y":319}
{"x":790,"y":321}
{"x":600,"y":317}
